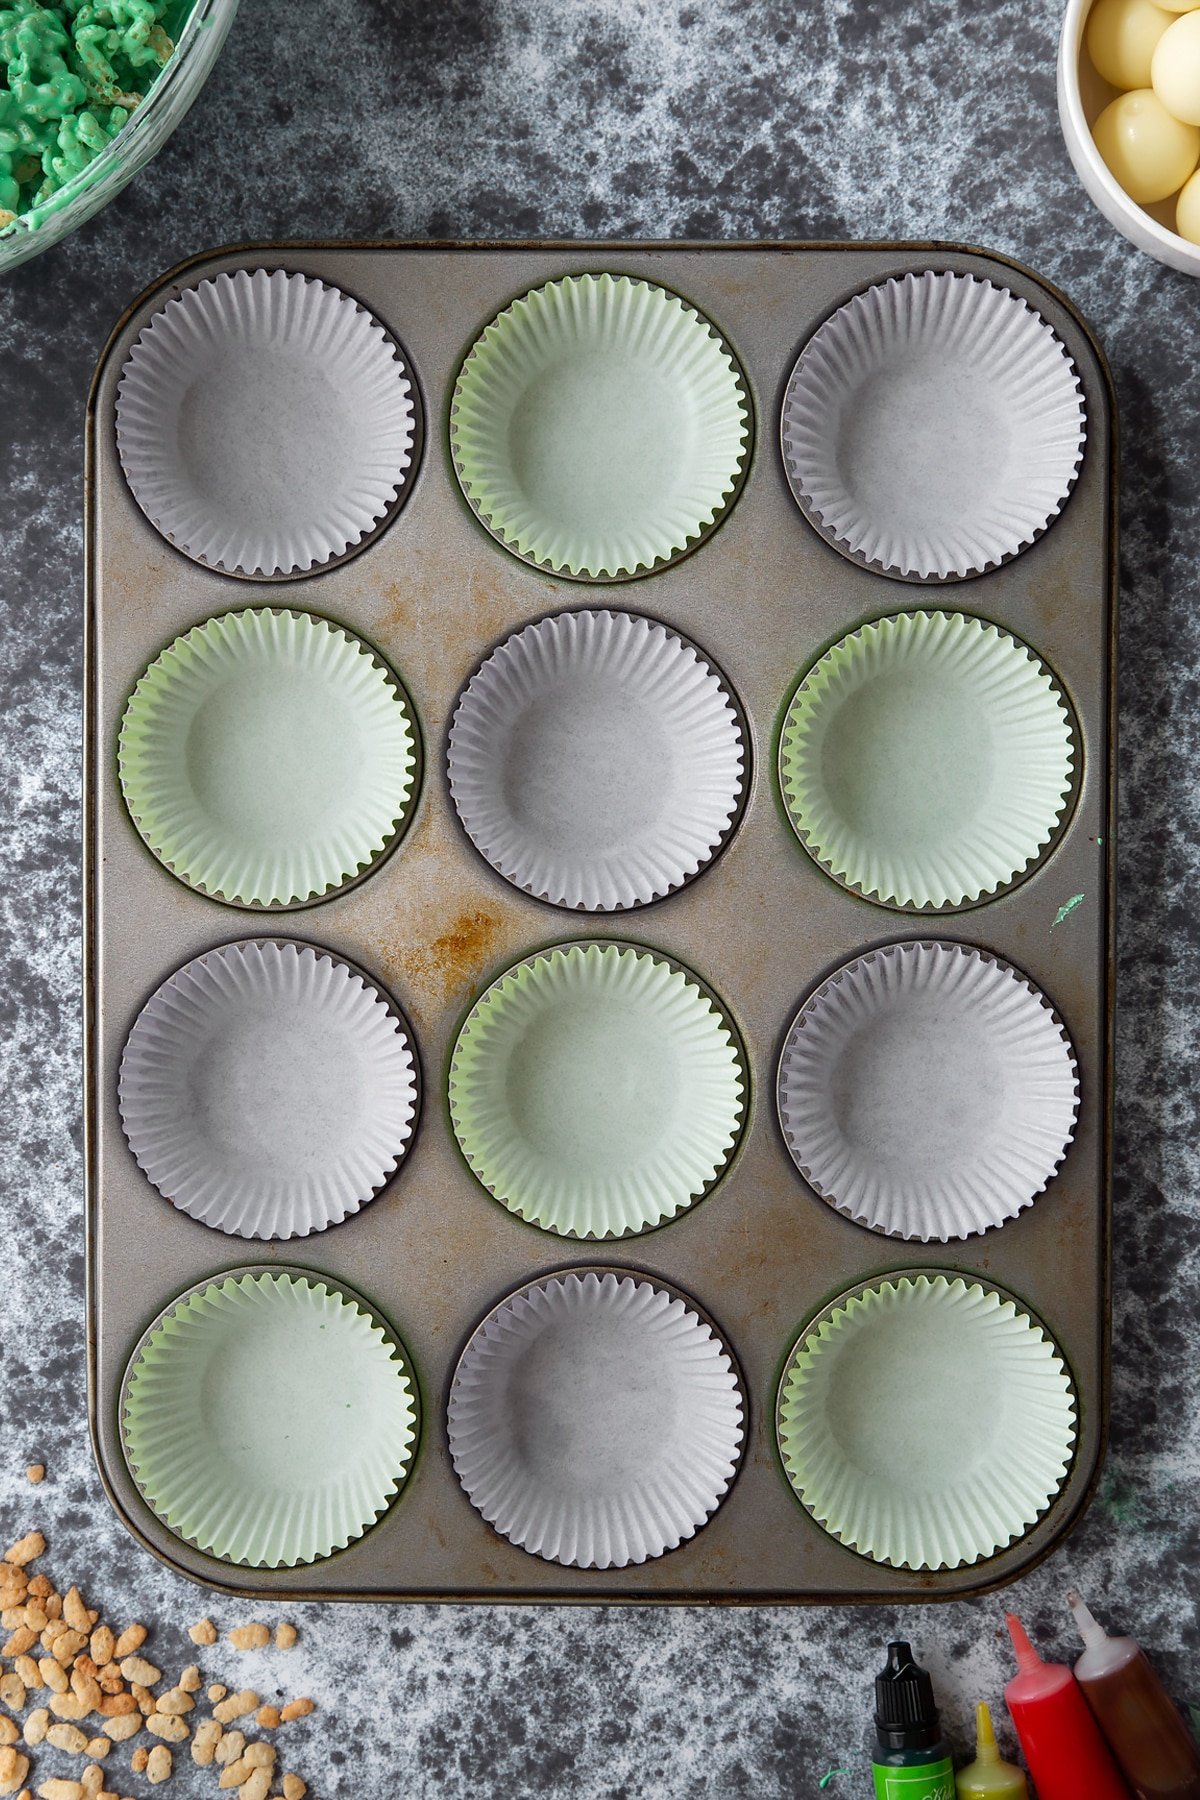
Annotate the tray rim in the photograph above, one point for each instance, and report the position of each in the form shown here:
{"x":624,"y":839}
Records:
{"x":576,"y":247}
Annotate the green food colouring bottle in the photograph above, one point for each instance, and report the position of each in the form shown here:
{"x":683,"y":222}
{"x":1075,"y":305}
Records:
{"x":912,"y":1758}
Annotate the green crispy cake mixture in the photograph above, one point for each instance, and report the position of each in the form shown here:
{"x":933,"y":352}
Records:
{"x":70,"y":75}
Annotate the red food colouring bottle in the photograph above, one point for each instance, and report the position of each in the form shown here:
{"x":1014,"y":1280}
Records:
{"x":1067,"y":1756}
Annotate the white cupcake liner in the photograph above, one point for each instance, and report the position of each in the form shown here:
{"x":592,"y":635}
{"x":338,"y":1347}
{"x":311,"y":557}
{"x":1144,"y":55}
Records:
{"x":268,"y":1090}
{"x":597,"y":760}
{"x":269,"y":1418}
{"x":268,"y":758}
{"x":928,"y":760}
{"x":265,"y":422}
{"x":933,"y":427}
{"x":926,"y":1422}
{"x":596,"y":1419}
{"x":600,"y":427}
{"x":597,"y":1090}
{"x":927,"y":1091}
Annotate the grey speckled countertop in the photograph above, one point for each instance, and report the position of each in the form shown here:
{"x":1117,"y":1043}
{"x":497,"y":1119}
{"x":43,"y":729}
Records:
{"x":829,"y":118}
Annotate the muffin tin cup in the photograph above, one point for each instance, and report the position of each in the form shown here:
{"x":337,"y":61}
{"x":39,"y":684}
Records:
{"x":928,"y":1091}
{"x":269,"y":758}
{"x":761,"y":925}
{"x":597,"y":760}
{"x":600,"y":427}
{"x":596,"y":1419}
{"x":929,"y":760}
{"x":266,"y":423}
{"x":933,"y":427}
{"x":269,"y":1089}
{"x":598,"y":1089}
{"x":926,"y":1421}
{"x":269,"y":1417}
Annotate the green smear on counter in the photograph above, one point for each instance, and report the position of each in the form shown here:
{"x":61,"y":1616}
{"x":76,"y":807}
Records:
{"x":71,"y":75}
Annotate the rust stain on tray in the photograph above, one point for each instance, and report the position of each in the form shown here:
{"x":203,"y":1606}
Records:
{"x":400,"y":603}
{"x":454,"y":959}
{"x":416,"y":608}
{"x":492,"y":606}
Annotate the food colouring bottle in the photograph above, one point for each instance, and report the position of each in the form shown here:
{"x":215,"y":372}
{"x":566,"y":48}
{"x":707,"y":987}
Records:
{"x":912,"y":1759}
{"x":1145,"y":1733}
{"x":989,"y":1775}
{"x":1067,"y":1756}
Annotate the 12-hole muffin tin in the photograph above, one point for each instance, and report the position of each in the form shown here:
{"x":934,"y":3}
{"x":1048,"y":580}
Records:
{"x":599,"y":862}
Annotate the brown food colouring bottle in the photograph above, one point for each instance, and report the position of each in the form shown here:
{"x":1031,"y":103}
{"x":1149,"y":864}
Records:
{"x":1145,"y":1733}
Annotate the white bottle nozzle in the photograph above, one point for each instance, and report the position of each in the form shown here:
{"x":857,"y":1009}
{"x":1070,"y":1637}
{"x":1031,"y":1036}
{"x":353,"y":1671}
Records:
{"x":1093,"y":1634}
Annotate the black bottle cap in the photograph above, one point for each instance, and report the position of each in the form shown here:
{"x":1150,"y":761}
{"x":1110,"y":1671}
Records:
{"x":906,"y":1717}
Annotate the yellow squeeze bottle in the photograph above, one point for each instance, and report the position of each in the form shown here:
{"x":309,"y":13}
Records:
{"x":988,"y":1775}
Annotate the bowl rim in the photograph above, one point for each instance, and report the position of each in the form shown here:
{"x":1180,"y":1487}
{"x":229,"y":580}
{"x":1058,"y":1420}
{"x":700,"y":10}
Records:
{"x":1072,"y":115}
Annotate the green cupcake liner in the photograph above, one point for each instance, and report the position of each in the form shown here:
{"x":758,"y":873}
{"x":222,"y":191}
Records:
{"x":268,"y":1418}
{"x":928,"y":760}
{"x":268,"y":758}
{"x":600,"y":427}
{"x":925,"y":1421}
{"x":597,"y":1090}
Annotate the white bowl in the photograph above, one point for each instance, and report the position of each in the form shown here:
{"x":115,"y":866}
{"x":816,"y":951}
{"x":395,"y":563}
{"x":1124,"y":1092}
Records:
{"x":1082,"y":96}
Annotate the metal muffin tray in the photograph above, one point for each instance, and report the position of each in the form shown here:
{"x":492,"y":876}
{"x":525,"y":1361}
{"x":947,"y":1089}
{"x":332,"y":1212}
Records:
{"x":435,"y":924}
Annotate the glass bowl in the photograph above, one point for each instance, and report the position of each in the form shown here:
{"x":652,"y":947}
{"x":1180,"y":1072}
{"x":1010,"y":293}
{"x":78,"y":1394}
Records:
{"x":141,"y":138}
